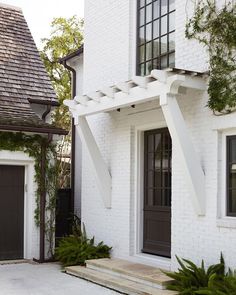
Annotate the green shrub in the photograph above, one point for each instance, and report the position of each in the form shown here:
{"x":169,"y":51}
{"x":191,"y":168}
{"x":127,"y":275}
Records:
{"x":75,"y":249}
{"x":191,"y":279}
{"x":225,"y":285}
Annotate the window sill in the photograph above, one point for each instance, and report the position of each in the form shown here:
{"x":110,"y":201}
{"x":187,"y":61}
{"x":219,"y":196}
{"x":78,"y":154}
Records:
{"x":227,"y":222}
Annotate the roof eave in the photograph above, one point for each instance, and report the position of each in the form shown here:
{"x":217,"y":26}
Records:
{"x":30,"y":129}
{"x":72,"y":55}
{"x":44,"y":102}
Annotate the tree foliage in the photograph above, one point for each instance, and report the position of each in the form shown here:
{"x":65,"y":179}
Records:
{"x":215,"y":28}
{"x":66,"y":37}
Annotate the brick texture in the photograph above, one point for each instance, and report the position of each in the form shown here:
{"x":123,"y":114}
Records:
{"x":109,"y":57}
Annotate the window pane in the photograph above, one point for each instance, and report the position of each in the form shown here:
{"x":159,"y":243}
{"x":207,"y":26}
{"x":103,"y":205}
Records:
{"x":156,"y":30}
{"x":164,"y":6}
{"x":157,"y":197}
{"x":166,"y":197}
{"x":158,"y":142}
{"x":164,"y":25}
{"x":148,"y":67}
{"x":171,"y":41}
{"x":172,"y":60}
{"x":157,"y":179}
{"x":149,"y":199}
{"x":142,"y":53}
{"x":232,"y":176}
{"x":158,"y":160}
{"x":142,"y":70}
{"x":164,"y":62}
{"x":141,"y":3}
{"x":150,"y":160}
{"x":148,"y":1}
{"x":163,"y":45}
{"x":148,"y":50}
{"x":232,"y":150}
{"x":148,"y":13}
{"x":172,"y":5}
{"x":156,"y":9}
{"x":150,"y":179}
{"x":166,"y":141}
{"x":171,"y":21}
{"x":149,"y":32}
{"x":141,"y":35}
{"x":232,"y":201}
{"x":150,"y":143}
{"x":156,"y":64}
{"x":156,"y":52}
{"x":141,"y":17}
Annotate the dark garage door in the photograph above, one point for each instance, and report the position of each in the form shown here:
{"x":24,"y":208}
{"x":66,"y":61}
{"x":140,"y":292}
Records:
{"x":11,"y":212}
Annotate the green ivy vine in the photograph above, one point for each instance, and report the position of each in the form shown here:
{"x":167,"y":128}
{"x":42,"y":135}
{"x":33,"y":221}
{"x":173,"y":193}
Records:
{"x":31,"y":144}
{"x":215,"y":28}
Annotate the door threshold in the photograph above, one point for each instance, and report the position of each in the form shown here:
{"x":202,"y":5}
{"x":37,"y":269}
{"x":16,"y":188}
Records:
{"x":15,"y":261}
{"x":153,"y":260}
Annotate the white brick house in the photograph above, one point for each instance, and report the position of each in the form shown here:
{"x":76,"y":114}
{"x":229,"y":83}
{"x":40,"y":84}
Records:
{"x":151,"y":204}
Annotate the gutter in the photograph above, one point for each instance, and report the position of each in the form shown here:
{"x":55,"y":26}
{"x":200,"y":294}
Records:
{"x":34,"y":129}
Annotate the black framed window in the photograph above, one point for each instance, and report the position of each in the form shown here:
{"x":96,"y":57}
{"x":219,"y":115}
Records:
{"x":155,"y":35}
{"x":231,"y":175}
{"x":157,"y":167}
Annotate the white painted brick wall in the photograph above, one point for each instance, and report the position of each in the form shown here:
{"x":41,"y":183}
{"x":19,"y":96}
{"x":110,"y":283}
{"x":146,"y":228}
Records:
{"x":109,"y":57}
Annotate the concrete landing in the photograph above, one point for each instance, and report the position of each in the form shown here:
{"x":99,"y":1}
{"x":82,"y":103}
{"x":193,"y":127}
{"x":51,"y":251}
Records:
{"x":123,"y":276}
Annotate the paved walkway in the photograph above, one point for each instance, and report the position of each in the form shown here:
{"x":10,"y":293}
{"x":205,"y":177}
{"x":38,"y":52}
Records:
{"x":44,"y":279}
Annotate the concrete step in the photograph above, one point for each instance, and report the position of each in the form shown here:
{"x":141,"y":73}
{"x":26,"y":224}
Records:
{"x":136,"y":272}
{"x":115,"y":283}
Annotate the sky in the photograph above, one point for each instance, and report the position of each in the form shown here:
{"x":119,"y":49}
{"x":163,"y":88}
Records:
{"x":40,"y":13}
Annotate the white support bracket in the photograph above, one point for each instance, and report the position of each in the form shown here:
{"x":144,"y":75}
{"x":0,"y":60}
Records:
{"x":102,"y":174}
{"x":181,"y":139}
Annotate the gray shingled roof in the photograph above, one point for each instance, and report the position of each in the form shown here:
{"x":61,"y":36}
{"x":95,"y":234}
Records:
{"x":23,"y":77}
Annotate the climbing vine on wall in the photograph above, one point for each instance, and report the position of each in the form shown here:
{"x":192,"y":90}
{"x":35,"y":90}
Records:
{"x":31,"y":144}
{"x":215,"y":28}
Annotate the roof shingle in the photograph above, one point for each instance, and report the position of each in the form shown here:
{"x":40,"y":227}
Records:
{"x":23,"y":78}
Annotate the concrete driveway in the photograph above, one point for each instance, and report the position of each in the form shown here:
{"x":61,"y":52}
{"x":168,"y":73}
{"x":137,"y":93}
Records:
{"x":44,"y":279}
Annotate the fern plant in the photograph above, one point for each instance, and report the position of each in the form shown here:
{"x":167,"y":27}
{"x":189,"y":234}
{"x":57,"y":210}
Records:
{"x":225,"y":285}
{"x":190,"y":279}
{"x":76,"y":249}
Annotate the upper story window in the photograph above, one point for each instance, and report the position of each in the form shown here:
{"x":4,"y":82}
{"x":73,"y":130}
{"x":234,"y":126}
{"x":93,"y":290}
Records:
{"x":231,"y":175}
{"x":156,"y":35}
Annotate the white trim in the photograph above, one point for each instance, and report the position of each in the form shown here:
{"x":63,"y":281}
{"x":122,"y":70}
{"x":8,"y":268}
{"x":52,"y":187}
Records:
{"x":21,"y":159}
{"x":222,"y":219}
{"x":133,"y":40}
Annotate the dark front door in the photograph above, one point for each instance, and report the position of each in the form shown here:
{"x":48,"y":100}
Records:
{"x":157,"y":192}
{"x":11,"y":212}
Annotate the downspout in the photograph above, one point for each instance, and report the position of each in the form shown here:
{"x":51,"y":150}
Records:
{"x":42,"y":204}
{"x":73,"y":135}
{"x":48,"y":110}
